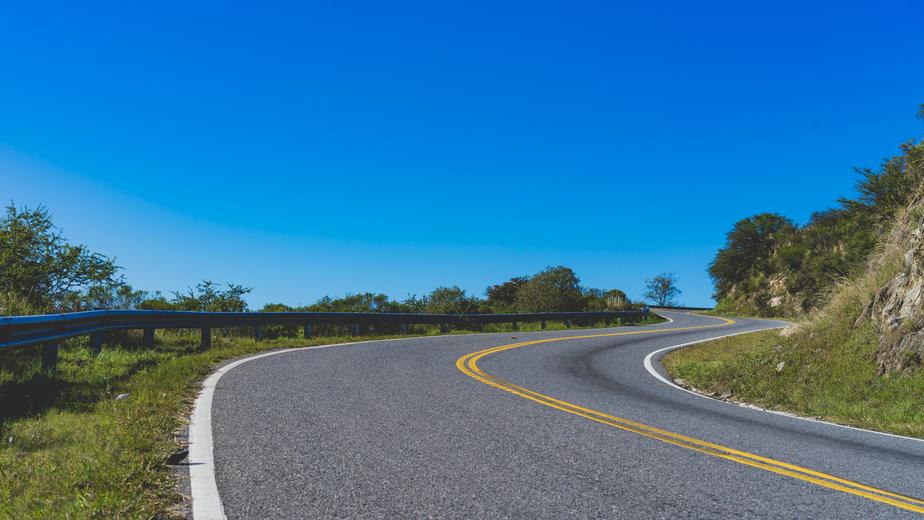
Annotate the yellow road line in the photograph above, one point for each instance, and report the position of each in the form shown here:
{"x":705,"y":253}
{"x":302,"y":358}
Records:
{"x":468,"y":364}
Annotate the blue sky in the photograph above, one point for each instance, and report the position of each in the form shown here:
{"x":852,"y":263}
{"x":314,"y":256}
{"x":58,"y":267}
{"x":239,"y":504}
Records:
{"x":307,"y":149}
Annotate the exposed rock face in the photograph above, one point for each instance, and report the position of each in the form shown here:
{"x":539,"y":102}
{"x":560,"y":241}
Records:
{"x":784,"y":302}
{"x":898,"y":308}
{"x":769,"y":297}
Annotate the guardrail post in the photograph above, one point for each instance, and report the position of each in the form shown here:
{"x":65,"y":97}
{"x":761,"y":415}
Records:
{"x":307,"y":332}
{"x":444,"y":328}
{"x":148,"y":338}
{"x":96,"y":343}
{"x":515,"y":326}
{"x":50,"y":357}
{"x":257,"y":333}
{"x":568,"y":323}
{"x":606,"y":322}
{"x":354,"y":330}
{"x":205,"y":342}
{"x":402,"y":328}
{"x":542,"y":324}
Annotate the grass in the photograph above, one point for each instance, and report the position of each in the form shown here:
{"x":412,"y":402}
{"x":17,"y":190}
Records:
{"x":838,"y":384}
{"x":70,"y":449}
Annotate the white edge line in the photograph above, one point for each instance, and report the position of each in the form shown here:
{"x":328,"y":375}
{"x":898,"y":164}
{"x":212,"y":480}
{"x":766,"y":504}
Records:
{"x":206,"y":502}
{"x":651,"y":370}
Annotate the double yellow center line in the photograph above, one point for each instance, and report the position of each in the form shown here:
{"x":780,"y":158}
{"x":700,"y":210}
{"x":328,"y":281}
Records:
{"x":468,"y":364}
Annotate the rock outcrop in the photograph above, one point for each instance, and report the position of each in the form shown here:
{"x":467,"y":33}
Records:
{"x":768,"y":297}
{"x":897,"y":310}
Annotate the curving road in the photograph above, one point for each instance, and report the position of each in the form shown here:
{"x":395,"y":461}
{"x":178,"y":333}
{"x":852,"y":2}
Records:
{"x":542,"y":427}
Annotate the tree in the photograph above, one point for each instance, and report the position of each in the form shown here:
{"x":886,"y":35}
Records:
{"x":276,"y":307}
{"x":748,"y":249}
{"x":593,"y":300}
{"x":882,"y":192}
{"x":157,"y":302}
{"x":208,"y":297}
{"x":556,"y":289}
{"x":362,"y":302}
{"x":115,"y":296}
{"x":502,"y":297}
{"x":449,"y":300}
{"x":41,"y":271}
{"x":662,"y":289}
{"x":616,"y":300}
{"x":412,"y":304}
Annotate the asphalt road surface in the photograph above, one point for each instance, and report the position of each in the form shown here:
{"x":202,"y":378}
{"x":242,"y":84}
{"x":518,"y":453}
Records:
{"x":452,"y":427}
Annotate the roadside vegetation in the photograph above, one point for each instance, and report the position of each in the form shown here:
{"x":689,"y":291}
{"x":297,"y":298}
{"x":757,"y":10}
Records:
{"x":827,"y":375}
{"x":97,"y":438}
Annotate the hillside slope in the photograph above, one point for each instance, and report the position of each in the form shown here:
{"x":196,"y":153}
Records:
{"x":772,"y":267}
{"x":856,"y":356}
{"x":897,"y":309}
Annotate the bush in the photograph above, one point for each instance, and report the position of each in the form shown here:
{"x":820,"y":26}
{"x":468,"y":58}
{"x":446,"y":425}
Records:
{"x":556,"y":289}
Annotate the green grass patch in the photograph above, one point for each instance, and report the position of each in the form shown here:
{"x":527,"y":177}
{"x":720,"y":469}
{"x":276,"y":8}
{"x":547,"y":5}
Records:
{"x":70,"y":449}
{"x":831,"y":376}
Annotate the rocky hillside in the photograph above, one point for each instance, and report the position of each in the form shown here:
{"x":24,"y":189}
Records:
{"x":770,"y":266}
{"x":884,"y":303}
{"x":854,"y":278}
{"x":897,"y":308}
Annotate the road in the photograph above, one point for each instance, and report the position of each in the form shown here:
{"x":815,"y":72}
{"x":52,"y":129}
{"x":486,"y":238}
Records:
{"x":542,"y":427}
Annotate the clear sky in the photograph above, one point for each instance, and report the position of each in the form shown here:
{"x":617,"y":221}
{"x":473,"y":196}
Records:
{"x":331,"y":147}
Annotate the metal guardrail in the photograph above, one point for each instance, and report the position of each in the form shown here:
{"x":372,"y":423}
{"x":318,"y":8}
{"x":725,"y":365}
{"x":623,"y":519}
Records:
{"x":49,"y":330}
{"x":674,"y":308}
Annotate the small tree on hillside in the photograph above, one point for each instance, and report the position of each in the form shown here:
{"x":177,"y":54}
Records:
{"x":662,"y":289}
